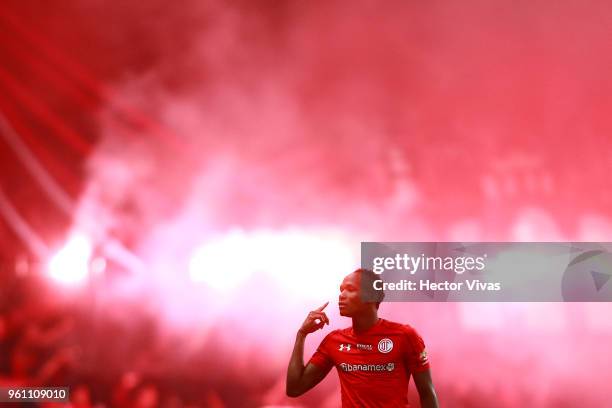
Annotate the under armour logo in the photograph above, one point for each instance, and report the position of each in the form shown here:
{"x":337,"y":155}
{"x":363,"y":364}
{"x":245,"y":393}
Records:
{"x":346,"y":347}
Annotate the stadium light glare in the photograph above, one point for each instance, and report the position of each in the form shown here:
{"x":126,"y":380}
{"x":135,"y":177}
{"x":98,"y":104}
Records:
{"x":309,"y":264}
{"x":70,"y":265}
{"x":219,"y":265}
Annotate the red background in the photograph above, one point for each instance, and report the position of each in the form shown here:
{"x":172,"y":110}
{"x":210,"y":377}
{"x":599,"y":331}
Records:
{"x":272,"y":125}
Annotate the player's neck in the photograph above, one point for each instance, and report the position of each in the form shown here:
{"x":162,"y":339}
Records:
{"x":364,"y":322}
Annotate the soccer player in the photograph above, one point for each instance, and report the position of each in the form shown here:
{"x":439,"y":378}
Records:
{"x":374,"y":358}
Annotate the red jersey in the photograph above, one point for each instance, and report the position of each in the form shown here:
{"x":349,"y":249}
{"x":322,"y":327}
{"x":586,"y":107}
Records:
{"x":374,"y":366}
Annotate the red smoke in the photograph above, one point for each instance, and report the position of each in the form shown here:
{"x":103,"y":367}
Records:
{"x":170,"y":126}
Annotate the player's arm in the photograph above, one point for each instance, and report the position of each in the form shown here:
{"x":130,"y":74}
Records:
{"x":299,"y":378}
{"x":427,"y":393}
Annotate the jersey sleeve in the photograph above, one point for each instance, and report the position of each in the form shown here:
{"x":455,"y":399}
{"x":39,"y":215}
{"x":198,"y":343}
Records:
{"x":322,"y":357}
{"x":416,"y":353}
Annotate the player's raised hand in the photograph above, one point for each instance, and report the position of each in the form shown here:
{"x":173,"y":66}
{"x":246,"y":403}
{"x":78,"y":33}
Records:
{"x":315,"y":320}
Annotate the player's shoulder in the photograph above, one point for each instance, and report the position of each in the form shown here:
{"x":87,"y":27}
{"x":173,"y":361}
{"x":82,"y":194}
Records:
{"x":333,"y":334}
{"x":338,"y":335}
{"x":336,"y":332}
{"x":344,"y":332}
{"x":399,"y":328}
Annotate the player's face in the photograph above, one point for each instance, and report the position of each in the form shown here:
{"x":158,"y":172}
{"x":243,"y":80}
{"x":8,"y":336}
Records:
{"x":349,"y":301}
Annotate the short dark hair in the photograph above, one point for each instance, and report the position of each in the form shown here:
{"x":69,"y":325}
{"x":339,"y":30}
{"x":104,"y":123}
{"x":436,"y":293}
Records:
{"x":368,"y":293}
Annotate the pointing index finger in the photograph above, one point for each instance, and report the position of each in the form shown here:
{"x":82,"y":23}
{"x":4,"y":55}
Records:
{"x":320,"y":309}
